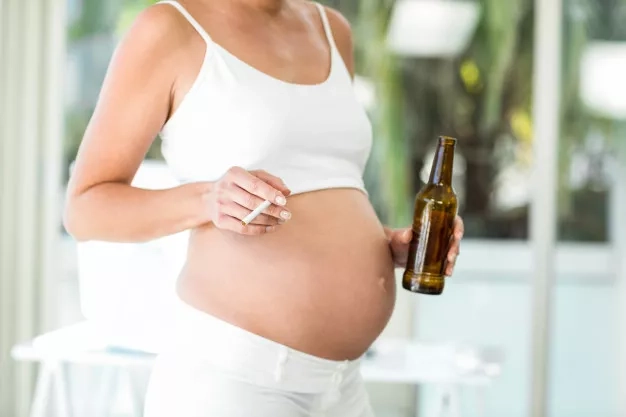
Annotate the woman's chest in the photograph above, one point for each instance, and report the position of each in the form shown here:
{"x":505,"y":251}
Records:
{"x":245,"y":127}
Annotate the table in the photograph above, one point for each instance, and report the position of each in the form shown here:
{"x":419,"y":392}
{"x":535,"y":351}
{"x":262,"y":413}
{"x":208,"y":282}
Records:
{"x":448,"y":366}
{"x":391,"y":361}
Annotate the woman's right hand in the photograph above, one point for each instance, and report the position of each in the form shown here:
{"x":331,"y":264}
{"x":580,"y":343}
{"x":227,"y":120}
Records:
{"x":239,"y":192}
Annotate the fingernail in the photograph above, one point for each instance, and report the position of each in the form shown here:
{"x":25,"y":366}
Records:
{"x":281,"y":201}
{"x":285,"y":215}
{"x":270,"y":228}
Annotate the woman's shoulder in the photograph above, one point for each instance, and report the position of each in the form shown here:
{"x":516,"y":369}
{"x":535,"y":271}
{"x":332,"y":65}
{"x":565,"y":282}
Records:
{"x":159,"y":31}
{"x":162,"y":25}
{"x":152,"y":47}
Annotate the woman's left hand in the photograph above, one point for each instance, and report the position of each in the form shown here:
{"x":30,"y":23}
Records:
{"x":399,"y":242}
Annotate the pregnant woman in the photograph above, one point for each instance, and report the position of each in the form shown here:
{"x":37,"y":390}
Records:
{"x":253,"y":101}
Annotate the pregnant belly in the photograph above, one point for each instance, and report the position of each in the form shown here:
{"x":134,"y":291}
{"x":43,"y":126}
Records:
{"x":323,"y":283}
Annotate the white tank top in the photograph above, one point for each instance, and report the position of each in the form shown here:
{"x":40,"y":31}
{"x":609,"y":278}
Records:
{"x":312,"y":136}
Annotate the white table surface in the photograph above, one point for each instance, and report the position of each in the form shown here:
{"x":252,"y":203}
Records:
{"x":392,"y":361}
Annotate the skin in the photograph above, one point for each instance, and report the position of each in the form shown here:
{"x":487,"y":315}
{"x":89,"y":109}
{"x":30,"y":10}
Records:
{"x":153,"y":68}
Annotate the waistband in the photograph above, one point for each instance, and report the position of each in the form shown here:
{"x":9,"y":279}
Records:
{"x":201,"y":337}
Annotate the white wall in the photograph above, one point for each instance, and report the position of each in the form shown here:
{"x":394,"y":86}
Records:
{"x":489,"y":303}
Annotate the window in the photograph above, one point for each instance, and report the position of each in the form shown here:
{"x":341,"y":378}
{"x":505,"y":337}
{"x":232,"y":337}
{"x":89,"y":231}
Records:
{"x":594,"y":63}
{"x":483,"y":96}
{"x":94,"y":29}
{"x":471,"y":81}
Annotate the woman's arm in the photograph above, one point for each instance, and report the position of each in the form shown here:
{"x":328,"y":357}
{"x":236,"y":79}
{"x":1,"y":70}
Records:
{"x":134,"y":104}
{"x":132,"y":107}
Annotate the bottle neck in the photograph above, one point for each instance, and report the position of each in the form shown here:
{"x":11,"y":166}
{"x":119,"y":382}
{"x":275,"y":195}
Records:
{"x":441,"y":171}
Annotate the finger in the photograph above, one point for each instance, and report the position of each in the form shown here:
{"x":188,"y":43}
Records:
{"x":232,"y":224}
{"x":239,"y":213}
{"x":450,"y":264}
{"x":452,"y":257}
{"x":255,"y":185}
{"x":459,"y":228}
{"x":455,"y":247}
{"x":402,"y":236}
{"x":273,"y":181}
{"x":449,"y":270}
{"x":251,"y":202}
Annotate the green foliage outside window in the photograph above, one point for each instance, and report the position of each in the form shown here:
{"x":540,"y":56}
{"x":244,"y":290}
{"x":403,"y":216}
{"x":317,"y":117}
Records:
{"x":483,"y":97}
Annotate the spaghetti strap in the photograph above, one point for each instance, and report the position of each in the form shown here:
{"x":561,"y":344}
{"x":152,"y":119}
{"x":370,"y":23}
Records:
{"x":203,"y":33}
{"x":326,"y":23}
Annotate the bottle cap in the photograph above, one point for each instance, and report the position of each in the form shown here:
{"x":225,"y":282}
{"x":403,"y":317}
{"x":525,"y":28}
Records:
{"x":447,"y":140}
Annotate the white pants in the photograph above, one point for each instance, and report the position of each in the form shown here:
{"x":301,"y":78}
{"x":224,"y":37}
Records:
{"x":215,"y":369}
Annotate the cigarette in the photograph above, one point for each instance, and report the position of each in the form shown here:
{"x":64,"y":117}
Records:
{"x":248,"y":219}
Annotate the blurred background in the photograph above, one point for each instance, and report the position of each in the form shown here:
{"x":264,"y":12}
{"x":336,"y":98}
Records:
{"x":464,"y":68}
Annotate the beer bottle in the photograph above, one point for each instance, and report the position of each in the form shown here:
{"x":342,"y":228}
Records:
{"x":433,"y":219}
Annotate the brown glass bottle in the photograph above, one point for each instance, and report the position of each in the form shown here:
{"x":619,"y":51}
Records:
{"x":433,"y":219}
